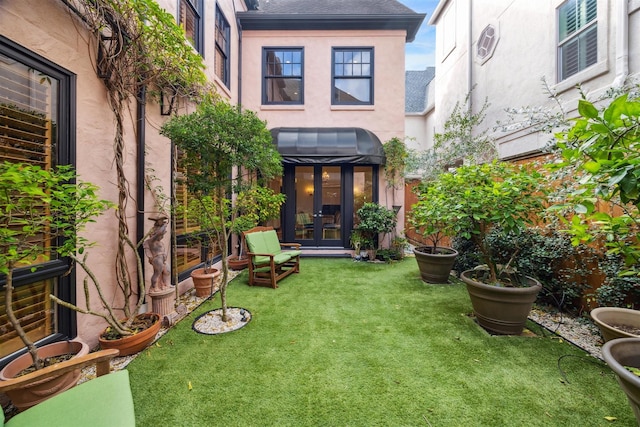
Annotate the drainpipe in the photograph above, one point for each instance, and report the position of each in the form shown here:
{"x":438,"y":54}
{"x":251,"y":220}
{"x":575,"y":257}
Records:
{"x":622,"y":43}
{"x":140,"y":170}
{"x":470,"y":58}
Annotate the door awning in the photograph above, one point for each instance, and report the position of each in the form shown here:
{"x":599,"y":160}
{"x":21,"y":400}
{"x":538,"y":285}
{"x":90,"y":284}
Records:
{"x":328,"y":146}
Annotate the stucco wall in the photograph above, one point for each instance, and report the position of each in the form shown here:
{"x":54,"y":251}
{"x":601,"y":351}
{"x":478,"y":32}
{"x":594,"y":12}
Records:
{"x":385,"y":118}
{"x":525,"y":53}
{"x":64,"y":41}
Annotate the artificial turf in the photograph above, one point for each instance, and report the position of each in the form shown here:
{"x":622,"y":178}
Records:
{"x":348,"y":343}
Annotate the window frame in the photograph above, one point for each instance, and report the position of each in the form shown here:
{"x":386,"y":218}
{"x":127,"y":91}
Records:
{"x":197,"y":8}
{"x":224,"y":51}
{"x":370,"y":77}
{"x":577,"y":35}
{"x":265,"y":77}
{"x":65,"y":154}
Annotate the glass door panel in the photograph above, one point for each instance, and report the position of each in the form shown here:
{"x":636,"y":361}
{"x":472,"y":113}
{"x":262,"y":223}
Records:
{"x":304,"y":195}
{"x":330,"y":203}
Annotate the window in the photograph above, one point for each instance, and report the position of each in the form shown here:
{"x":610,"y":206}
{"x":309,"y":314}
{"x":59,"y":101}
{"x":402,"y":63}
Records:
{"x":578,"y":37}
{"x":36,"y":114}
{"x":222,"y":48}
{"x":487,"y":43}
{"x":352,"y":76}
{"x":191,"y":20}
{"x":283,"y":76}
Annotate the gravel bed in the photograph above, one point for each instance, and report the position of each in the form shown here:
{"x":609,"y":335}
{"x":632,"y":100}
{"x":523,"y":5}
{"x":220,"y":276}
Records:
{"x":576,"y":331}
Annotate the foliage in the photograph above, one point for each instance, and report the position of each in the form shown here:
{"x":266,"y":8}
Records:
{"x":617,"y":290}
{"x":375,"y":219}
{"x":215,"y":139}
{"x":604,"y":146}
{"x":395,"y":152}
{"x":548,"y":256}
{"x":468,"y":254}
{"x":432,"y":216}
{"x":35,"y":203}
{"x":456,"y":144}
{"x":477,"y":198}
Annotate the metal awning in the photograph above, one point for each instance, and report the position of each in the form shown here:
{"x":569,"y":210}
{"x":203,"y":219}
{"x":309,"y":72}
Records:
{"x":328,"y":146}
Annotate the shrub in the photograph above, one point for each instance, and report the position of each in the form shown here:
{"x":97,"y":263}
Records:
{"x":617,"y":290}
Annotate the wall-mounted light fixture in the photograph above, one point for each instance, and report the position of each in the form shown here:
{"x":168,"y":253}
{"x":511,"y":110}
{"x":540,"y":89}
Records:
{"x":167,"y":99}
{"x":309,"y":190}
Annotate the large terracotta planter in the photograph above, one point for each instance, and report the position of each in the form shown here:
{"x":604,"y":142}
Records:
{"x":501,"y":310}
{"x":619,"y":353}
{"x":203,"y":282}
{"x":435,"y":267}
{"x":607,"y":318}
{"x":42,"y":390}
{"x":236,"y":263}
{"x":133,"y":344}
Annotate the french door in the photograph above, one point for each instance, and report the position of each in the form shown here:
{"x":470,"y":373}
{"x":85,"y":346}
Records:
{"x":318,"y":205}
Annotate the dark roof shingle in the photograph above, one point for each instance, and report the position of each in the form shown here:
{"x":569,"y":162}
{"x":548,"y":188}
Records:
{"x":416,"y":87}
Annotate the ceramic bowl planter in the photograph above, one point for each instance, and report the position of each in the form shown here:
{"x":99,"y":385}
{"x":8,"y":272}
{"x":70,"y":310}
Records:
{"x":37,"y":392}
{"x":236,"y":263}
{"x":133,"y":344}
{"x":501,"y":310}
{"x":435,"y":267}
{"x":203,"y":281}
{"x":617,"y":322}
{"x":619,"y":353}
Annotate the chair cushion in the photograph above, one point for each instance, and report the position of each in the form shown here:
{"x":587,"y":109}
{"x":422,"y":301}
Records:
{"x":105,"y":401}
{"x":272,"y":242}
{"x":255,"y":242}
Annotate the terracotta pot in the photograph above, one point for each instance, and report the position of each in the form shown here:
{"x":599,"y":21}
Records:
{"x":203,"y":282}
{"x":435,"y":267}
{"x":133,"y":344}
{"x":37,"y":392}
{"x":236,"y":263}
{"x":619,"y":353}
{"x":607,"y":318}
{"x":501,"y":310}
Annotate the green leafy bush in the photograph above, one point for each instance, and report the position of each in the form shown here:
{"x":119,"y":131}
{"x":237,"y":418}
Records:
{"x":617,"y":290}
{"x":375,"y":219}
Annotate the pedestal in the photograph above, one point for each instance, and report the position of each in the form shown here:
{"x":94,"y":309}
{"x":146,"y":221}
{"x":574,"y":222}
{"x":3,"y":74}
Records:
{"x":163,"y":301}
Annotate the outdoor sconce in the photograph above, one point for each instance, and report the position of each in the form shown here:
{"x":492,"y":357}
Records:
{"x":167,"y":99}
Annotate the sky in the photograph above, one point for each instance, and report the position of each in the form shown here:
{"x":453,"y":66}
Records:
{"x":420,"y":53}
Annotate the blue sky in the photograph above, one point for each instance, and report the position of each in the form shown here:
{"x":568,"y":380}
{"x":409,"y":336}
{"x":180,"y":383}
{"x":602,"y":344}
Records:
{"x":420,"y":53}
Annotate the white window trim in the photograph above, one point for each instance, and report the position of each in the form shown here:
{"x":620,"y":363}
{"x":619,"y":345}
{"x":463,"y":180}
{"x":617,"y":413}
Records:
{"x":595,"y":70}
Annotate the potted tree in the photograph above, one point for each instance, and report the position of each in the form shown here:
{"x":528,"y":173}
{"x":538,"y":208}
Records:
{"x":38,"y":202}
{"x":433,"y":218}
{"x":481,"y":198}
{"x":216,"y":140}
{"x":374,"y":219}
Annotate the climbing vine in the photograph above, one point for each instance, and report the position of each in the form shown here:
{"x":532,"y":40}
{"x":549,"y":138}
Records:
{"x":138,"y":51}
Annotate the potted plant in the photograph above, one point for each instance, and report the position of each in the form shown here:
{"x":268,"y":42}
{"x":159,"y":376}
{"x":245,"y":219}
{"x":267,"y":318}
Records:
{"x":433,"y":218}
{"x":217,"y":140}
{"x":24,"y":188}
{"x":623,"y":357}
{"x":481,"y":198}
{"x":374,"y":219}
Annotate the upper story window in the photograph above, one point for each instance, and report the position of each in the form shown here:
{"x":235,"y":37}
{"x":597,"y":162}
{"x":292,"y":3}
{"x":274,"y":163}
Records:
{"x":577,"y":36}
{"x":190,"y":18}
{"x":283,"y":76}
{"x":223,"y":47}
{"x":352,"y":76}
{"x":36,"y":117}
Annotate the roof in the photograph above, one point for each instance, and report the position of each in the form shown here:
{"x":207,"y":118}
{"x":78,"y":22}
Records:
{"x":330,"y":15}
{"x":416,"y":88}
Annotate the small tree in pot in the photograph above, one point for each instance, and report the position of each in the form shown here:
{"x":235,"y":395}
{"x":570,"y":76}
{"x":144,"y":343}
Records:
{"x":476,"y":199}
{"x":215,"y":140}
{"x":42,"y":212}
{"x":375,"y":219}
{"x":433,"y":218}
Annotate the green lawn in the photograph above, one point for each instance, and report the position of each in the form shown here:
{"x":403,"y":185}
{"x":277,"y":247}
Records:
{"x":360,"y":344}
